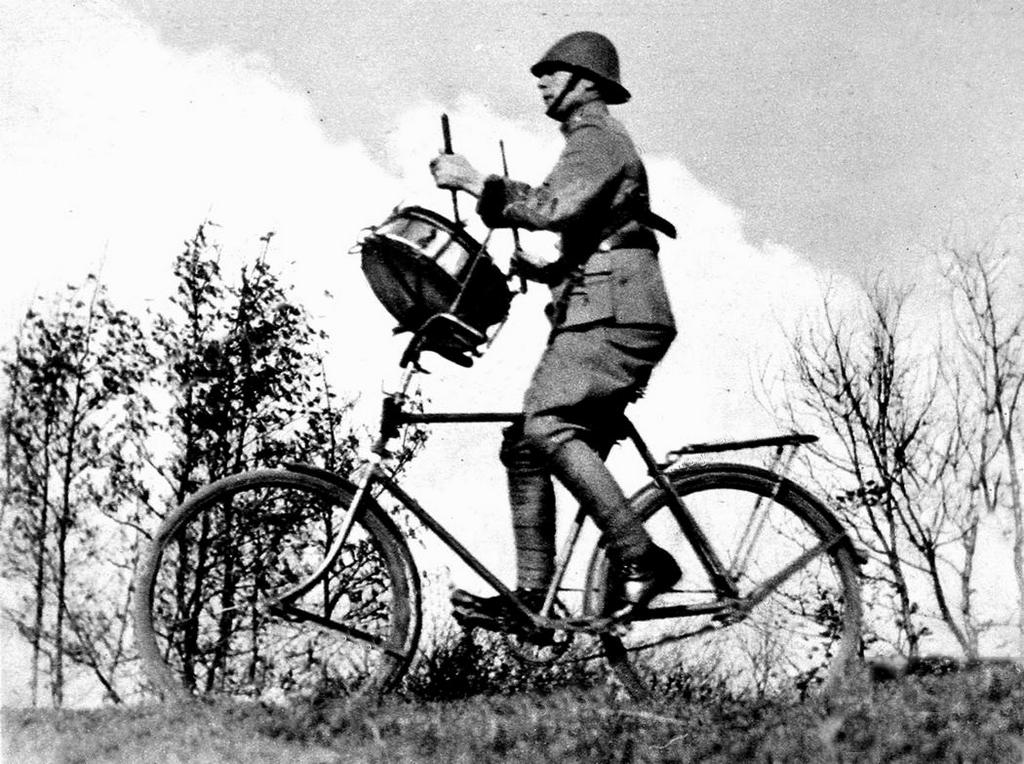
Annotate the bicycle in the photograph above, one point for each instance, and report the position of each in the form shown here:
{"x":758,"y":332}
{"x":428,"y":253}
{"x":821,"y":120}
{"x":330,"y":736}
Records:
{"x":296,"y":581}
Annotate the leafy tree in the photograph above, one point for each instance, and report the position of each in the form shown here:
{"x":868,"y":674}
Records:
{"x":242,"y":365}
{"x":73,"y":380}
{"x":108,"y":421}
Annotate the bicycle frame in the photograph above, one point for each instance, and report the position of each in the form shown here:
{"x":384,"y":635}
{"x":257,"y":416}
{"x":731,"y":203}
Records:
{"x":371,"y":473}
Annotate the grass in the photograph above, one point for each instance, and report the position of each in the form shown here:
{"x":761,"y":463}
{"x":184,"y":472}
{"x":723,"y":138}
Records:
{"x":961,"y":716}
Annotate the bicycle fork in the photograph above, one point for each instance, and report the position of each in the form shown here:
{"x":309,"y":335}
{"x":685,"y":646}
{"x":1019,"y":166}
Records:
{"x":369,"y":472}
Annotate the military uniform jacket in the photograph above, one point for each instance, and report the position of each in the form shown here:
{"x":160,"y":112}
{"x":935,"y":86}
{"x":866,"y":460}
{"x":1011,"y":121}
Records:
{"x":596,"y":197}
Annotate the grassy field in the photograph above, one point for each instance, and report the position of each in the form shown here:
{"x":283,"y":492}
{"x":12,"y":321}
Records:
{"x":962,"y":716}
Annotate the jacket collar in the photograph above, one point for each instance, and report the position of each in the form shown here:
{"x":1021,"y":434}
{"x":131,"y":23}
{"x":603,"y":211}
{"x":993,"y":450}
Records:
{"x":590,"y":113}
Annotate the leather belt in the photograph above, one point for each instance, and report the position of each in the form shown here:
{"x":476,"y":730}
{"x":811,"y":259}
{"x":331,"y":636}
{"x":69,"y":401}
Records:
{"x":630,"y":239}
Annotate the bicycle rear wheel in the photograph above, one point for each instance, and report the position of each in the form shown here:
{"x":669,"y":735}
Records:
{"x":206,"y":617}
{"x":769,"y":533}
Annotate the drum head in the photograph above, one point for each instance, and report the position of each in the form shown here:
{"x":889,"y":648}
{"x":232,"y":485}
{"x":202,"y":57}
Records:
{"x":410,"y":286}
{"x":416,"y":276}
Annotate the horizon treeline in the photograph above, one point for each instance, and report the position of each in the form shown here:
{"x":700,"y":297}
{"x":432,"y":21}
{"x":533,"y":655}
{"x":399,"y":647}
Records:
{"x":110,"y":419}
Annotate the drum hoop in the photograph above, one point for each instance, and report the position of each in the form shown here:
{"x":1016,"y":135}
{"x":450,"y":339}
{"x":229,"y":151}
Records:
{"x":408,"y":247}
{"x":457,"y":232}
{"x":411,"y":250}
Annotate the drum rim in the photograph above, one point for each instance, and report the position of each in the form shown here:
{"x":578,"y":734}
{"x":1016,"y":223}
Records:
{"x":410,"y":249}
{"x":458,"y":231}
{"x":371,"y":244}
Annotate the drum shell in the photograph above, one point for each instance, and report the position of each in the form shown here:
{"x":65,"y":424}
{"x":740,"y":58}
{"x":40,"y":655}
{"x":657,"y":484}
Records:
{"x":418,"y":264}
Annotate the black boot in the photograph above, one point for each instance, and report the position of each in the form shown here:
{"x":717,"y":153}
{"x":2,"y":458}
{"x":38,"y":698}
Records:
{"x":583,"y":472}
{"x":497,"y":612}
{"x":532,"y":499}
{"x":643,"y":580}
{"x":642,"y":569}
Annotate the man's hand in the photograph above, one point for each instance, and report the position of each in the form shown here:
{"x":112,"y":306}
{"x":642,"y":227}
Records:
{"x":455,"y":172}
{"x":531,"y":267}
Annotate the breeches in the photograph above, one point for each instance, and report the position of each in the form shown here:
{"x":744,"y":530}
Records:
{"x":584,"y":381}
{"x":580,"y":390}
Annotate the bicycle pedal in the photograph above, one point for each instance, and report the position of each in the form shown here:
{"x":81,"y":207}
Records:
{"x":595,"y":626}
{"x":467,"y":614}
{"x":469,"y":618}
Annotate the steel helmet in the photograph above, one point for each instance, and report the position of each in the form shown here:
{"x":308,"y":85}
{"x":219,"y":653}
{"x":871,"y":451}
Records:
{"x":592,"y":55}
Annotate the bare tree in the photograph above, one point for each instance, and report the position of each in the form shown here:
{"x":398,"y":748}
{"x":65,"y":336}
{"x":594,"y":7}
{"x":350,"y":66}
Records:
{"x":888,"y":457}
{"x":989,"y":316}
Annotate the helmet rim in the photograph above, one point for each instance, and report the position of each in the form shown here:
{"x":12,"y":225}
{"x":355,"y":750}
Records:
{"x":591,"y":55}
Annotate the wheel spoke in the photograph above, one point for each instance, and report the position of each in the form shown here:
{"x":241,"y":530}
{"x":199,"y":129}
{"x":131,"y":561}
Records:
{"x":209,"y":613}
{"x":797,"y":609}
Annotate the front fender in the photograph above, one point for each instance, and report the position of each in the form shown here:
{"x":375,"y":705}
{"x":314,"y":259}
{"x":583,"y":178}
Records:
{"x":346,"y":485}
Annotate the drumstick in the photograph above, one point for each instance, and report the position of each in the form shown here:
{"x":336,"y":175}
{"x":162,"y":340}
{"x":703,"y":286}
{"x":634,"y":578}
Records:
{"x":515,"y":230}
{"x":504,"y":167}
{"x":447,"y":133}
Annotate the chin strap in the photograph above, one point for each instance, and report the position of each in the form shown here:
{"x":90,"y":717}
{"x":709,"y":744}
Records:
{"x":552,"y":110}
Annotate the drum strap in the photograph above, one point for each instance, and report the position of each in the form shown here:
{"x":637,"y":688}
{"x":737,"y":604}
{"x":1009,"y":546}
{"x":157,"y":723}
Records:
{"x":480,"y":253}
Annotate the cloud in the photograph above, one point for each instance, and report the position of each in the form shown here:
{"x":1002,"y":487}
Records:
{"x":121,"y":145}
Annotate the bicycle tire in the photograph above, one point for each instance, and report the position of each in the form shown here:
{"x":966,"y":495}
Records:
{"x":203,"y":617}
{"x":804,"y":635}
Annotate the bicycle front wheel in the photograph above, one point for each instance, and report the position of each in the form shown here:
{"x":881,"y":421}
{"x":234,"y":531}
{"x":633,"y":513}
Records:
{"x":207,"y":617}
{"x":794,"y":622}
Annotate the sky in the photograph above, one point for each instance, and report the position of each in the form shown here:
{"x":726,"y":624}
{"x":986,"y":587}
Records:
{"x":801,"y":149}
{"x":852,"y":138}
{"x":849,"y":132}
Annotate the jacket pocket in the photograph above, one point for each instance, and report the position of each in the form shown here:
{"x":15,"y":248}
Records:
{"x":638,"y":295}
{"x":590,"y":300}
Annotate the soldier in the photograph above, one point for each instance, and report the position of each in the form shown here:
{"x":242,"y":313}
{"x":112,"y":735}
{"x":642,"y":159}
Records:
{"x":610,"y":316}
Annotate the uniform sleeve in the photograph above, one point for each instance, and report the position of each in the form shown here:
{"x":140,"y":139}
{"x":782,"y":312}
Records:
{"x":589,"y":163}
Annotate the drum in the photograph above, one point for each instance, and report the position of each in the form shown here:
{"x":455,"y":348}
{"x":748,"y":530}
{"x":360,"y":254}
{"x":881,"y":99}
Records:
{"x":420,"y":265}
